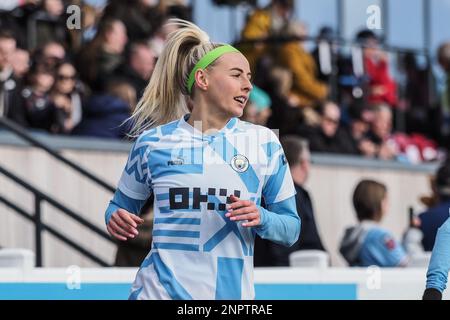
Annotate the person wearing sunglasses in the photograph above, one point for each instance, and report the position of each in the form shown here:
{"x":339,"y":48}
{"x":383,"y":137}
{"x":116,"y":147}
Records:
{"x":328,"y":136}
{"x":67,"y":97}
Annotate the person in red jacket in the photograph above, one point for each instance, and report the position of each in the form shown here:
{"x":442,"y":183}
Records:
{"x":382,"y":88}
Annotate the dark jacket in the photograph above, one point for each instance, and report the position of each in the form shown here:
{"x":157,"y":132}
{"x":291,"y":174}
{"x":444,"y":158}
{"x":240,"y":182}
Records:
{"x":340,"y":143}
{"x":126,"y":73}
{"x":132,"y":252}
{"x":103,"y":116}
{"x":96,"y":67}
{"x":41,"y":113}
{"x":268,"y":253}
{"x":13,"y":106}
{"x":431,"y":220}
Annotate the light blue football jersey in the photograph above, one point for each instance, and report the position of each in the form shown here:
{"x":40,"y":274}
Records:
{"x":381,"y":249}
{"x":198,"y":253}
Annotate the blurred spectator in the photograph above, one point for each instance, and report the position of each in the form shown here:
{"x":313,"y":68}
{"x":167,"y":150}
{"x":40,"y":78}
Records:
{"x":418,"y":96}
{"x":53,"y":50}
{"x":264,"y":23}
{"x":434,"y":217}
{"x":10,"y":106}
{"x":367,"y":243}
{"x":90,"y":17}
{"x":360,"y":119}
{"x":20,"y":63}
{"x":50,"y":54}
{"x":268,"y":253}
{"x":41,"y":113}
{"x":47,"y":24}
{"x":258,"y":109}
{"x":398,"y":146}
{"x":307,"y":90}
{"x":299,"y":160}
{"x":329,"y":137}
{"x":105,"y":114}
{"x":141,"y":17}
{"x":103,"y":55}
{"x":158,"y":41}
{"x":139,"y":67}
{"x":13,"y":23}
{"x":277,"y":82}
{"x":380,"y":133}
{"x":382,"y":88}
{"x":67,"y":97}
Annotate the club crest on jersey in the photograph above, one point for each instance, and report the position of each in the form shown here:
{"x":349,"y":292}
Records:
{"x":239,"y":163}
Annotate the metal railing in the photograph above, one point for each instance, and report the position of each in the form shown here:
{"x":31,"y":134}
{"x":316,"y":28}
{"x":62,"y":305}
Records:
{"x":40,"y":197}
{"x":40,"y":226}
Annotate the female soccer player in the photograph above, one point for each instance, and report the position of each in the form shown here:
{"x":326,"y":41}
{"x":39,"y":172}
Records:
{"x":208,"y":172}
{"x":439,"y":264}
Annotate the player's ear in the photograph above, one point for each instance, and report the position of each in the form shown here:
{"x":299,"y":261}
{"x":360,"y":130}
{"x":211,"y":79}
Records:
{"x":201,"y":79}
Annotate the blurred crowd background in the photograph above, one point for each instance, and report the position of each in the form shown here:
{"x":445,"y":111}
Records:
{"x":86,"y":80}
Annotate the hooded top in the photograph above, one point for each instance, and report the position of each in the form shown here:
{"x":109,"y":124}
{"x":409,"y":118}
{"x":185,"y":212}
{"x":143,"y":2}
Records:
{"x":368,"y":244}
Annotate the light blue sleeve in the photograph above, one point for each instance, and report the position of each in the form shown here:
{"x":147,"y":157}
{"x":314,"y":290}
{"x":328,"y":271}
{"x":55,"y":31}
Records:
{"x":278,"y":184}
{"x":134,"y":186}
{"x":280,"y":222}
{"x":439,"y":267}
{"x":121,"y":201}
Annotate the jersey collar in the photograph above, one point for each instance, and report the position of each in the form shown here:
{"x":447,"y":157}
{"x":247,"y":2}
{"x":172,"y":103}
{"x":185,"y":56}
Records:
{"x":229,"y":127}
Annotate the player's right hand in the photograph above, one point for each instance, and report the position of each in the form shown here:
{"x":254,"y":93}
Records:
{"x":123,"y":225}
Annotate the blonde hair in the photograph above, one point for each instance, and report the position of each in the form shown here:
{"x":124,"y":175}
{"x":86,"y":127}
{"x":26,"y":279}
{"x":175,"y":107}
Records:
{"x":164,"y":99}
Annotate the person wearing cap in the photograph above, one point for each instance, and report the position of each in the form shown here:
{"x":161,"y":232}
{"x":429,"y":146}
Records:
{"x":433,"y":218}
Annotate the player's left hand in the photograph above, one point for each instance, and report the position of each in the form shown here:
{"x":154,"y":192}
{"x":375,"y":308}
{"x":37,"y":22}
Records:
{"x":244,"y":210}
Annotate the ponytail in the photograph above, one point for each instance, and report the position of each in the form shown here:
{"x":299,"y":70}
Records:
{"x":165,"y":98}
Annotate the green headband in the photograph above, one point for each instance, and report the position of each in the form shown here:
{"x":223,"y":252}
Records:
{"x":209,"y":58}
